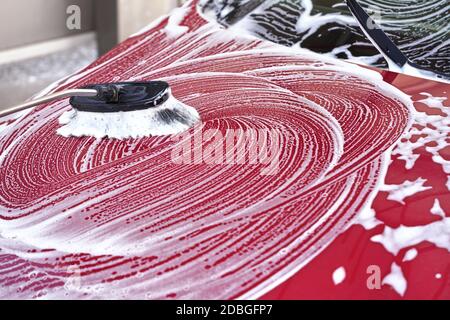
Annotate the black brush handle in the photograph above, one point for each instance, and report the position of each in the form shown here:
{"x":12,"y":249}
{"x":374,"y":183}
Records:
{"x":123,"y":97}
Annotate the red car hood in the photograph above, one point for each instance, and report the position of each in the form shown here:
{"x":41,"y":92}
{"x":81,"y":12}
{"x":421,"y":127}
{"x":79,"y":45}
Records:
{"x":355,"y":205}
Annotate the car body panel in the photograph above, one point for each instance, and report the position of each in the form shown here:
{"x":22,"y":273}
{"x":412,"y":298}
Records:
{"x":87,"y":218}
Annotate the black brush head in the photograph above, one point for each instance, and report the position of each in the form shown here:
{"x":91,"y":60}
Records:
{"x":123,"y":97}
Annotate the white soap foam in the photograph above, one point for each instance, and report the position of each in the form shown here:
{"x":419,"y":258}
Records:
{"x":311,"y":23}
{"x":396,"y":239}
{"x":411,"y":254}
{"x":339,"y":275}
{"x":150,"y":26}
{"x":174,"y":29}
{"x":437,"y":209}
{"x":438,"y":136}
{"x":396,"y":280}
{"x":398,"y":192}
{"x":367,"y":219}
{"x":438,"y":233}
{"x":433,"y":102}
{"x":419,"y":73}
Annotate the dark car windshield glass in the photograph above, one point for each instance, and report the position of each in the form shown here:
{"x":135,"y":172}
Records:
{"x":420,"y":28}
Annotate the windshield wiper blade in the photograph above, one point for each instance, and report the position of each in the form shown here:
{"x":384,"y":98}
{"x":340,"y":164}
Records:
{"x":376,"y":35}
{"x":396,"y":60}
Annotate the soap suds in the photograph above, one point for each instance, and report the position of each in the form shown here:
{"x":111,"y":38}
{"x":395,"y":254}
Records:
{"x":437,"y":209}
{"x":339,"y":275}
{"x":309,"y":24}
{"x":367,"y":219}
{"x":301,"y":23}
{"x":411,"y":254}
{"x":130,"y":205}
{"x":433,"y":132}
{"x":174,"y":29}
{"x":395,"y":239}
{"x":431,"y":129}
{"x":396,"y":280}
{"x":406,"y":189}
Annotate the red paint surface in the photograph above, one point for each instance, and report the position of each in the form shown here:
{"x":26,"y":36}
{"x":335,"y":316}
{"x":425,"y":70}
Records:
{"x":354,"y":249}
{"x":78,"y":214}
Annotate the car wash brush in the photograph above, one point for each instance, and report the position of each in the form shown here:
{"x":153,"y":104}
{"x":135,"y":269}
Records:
{"x":120,"y":110}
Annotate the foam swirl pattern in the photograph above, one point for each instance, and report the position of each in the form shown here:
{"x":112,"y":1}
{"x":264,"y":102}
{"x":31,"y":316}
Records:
{"x":88,"y":218}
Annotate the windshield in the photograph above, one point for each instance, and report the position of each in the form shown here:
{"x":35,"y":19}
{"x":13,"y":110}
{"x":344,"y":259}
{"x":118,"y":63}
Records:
{"x":418,"y":27}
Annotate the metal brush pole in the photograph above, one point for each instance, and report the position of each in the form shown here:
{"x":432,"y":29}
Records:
{"x":49,"y":98}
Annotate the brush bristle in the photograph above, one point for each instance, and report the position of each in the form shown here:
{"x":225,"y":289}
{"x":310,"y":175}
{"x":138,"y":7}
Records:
{"x":170,"y":118}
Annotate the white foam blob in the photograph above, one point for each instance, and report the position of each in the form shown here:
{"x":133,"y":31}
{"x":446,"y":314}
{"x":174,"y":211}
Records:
{"x":339,"y":275}
{"x":411,"y":254}
{"x":398,"y":192}
{"x":402,"y":237}
{"x":396,"y":279}
{"x":437,"y":209}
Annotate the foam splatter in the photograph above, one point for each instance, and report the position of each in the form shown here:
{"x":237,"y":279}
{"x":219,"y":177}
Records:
{"x":339,"y":275}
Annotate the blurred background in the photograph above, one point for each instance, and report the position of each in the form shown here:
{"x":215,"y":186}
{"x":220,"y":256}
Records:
{"x":42,"y":41}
